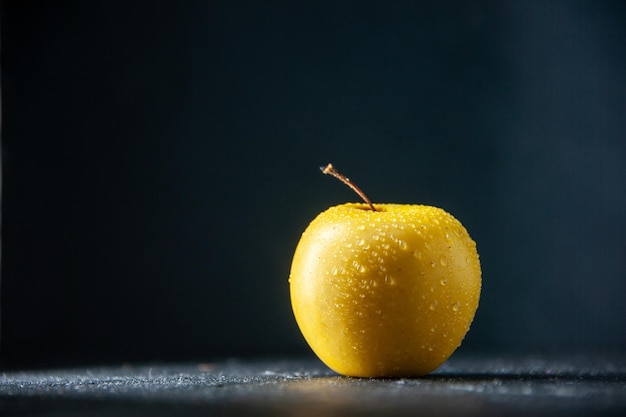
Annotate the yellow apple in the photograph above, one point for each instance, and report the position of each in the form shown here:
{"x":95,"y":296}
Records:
{"x":384,"y":289}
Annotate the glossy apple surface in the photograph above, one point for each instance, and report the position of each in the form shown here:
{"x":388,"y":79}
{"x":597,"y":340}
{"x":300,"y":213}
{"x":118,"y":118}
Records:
{"x":390,"y":292}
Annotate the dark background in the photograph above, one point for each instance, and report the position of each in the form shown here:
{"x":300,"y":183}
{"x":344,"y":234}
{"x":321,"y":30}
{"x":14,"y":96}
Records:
{"x":160,"y":160}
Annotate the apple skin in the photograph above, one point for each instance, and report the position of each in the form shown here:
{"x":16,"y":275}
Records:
{"x":385,"y":293}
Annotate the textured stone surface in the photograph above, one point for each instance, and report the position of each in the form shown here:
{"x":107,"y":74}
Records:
{"x":477,"y":385}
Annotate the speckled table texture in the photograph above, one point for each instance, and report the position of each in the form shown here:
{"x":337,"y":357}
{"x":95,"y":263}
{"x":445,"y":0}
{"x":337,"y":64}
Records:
{"x":487,"y":385}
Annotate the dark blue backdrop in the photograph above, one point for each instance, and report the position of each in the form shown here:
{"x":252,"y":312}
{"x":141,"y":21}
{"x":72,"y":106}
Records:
{"x":160,"y":162}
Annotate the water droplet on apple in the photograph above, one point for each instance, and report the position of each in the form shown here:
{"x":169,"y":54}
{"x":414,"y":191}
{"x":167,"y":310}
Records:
{"x":390,"y":280}
{"x":418,"y":254}
{"x":402,"y":244}
{"x":443,"y":281}
{"x":362,"y":269}
{"x":443,"y":260}
{"x":361,"y":227}
{"x":334,"y":271}
{"x":360,"y":242}
{"x":433,"y":306}
{"x":456,"y":307}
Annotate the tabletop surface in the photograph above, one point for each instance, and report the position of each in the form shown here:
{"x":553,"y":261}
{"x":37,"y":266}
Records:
{"x":513,"y":385}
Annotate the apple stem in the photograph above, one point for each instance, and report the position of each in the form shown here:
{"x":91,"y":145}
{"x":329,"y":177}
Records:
{"x":330,"y":170}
